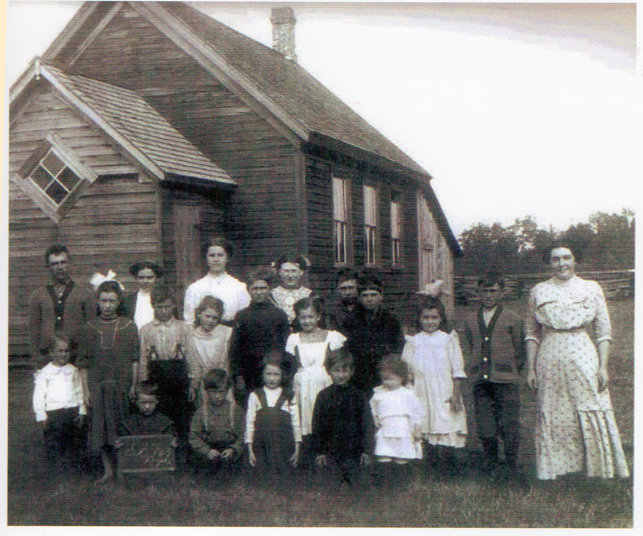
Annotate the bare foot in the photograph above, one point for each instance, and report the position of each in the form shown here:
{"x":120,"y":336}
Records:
{"x":104,"y":479}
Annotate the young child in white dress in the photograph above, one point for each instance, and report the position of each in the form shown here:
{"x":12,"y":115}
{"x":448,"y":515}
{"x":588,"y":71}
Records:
{"x":310,"y":347}
{"x":398,"y":417}
{"x":435,"y":359}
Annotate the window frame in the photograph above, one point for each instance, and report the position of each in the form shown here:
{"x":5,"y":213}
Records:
{"x":396,"y":229}
{"x":343,"y":224}
{"x":54,"y":145}
{"x":371,"y":230}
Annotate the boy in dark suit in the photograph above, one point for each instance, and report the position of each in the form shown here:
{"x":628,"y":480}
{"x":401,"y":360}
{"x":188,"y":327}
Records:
{"x":494,"y":347}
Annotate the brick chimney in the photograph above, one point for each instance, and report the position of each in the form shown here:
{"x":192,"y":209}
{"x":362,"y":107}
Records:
{"x":283,"y":32}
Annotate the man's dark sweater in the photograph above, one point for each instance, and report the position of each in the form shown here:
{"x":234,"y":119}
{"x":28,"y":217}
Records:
{"x":371,"y":336}
{"x":260,"y":328}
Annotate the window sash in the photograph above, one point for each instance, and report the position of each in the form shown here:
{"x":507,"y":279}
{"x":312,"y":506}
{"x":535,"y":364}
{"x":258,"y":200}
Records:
{"x":340,"y":219}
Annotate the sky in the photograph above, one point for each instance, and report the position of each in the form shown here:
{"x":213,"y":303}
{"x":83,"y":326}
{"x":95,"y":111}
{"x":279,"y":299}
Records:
{"x":514,"y":109}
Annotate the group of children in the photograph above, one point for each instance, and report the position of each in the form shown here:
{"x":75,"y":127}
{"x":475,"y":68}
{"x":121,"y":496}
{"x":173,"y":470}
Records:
{"x":282,"y":400}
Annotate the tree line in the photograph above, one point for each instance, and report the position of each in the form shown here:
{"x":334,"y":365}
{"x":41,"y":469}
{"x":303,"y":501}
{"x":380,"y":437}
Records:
{"x":606,"y":243}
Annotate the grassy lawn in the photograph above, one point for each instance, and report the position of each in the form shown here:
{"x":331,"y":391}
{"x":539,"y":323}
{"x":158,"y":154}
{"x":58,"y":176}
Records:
{"x":427,"y":500}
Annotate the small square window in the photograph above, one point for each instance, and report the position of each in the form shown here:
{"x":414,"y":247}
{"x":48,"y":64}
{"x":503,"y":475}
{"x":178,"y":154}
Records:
{"x":53,"y":177}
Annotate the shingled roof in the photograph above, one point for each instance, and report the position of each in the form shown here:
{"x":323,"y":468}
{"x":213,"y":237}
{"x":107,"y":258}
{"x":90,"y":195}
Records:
{"x":290,"y":86}
{"x":126,"y":115}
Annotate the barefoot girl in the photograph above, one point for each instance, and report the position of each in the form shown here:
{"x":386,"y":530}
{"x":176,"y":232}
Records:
{"x":108,"y":357}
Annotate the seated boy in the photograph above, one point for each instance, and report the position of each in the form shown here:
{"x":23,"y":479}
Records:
{"x":343,"y":430}
{"x":58,"y":402}
{"x":372,"y":332}
{"x":147,"y":421}
{"x":259,"y":328}
{"x":162,"y":359}
{"x":493,"y":345}
{"x":216,"y":430}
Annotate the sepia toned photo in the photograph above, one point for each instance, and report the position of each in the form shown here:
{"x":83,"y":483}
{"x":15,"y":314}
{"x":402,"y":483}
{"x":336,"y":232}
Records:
{"x":321,"y":264}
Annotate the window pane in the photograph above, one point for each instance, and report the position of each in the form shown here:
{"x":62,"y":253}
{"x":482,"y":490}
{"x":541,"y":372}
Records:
{"x":395,"y":220}
{"x":52,"y":163}
{"x":68,"y":178}
{"x":41,"y":177}
{"x":370,"y":211}
{"x":339,"y":199}
{"x":56,"y":192}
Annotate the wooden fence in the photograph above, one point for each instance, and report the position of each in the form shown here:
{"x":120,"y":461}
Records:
{"x":617,"y":284}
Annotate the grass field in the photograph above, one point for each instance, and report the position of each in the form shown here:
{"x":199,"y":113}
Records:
{"x":428,"y":500}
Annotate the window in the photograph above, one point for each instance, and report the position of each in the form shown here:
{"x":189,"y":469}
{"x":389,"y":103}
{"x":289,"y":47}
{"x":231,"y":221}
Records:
{"x":340,"y":220}
{"x":396,"y":228}
{"x":53,"y":177}
{"x":370,"y":224}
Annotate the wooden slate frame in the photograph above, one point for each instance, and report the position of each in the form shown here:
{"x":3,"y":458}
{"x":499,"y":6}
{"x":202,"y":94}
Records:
{"x":145,"y":454}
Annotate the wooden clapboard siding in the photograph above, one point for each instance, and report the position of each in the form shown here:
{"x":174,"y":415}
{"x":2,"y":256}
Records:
{"x":189,"y":215}
{"x":401,"y":281}
{"x":77,"y":133}
{"x":112,"y":225}
{"x":132,"y":53}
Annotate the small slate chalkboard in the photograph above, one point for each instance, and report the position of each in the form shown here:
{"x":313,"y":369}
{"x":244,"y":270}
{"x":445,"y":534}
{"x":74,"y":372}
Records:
{"x":146,"y":454}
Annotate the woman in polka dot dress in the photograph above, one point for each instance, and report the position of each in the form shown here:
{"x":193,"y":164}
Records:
{"x":575,"y":427}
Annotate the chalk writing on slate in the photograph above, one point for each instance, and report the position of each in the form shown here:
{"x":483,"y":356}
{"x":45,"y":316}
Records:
{"x":146,"y":454}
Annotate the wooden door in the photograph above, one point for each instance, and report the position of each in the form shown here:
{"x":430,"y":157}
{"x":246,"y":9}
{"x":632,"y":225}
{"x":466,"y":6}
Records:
{"x":187,"y":246}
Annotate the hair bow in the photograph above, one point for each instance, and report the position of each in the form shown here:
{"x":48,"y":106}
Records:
{"x":97,"y":279}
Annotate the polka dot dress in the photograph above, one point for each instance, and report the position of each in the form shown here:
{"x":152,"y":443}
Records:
{"x":575,"y":428}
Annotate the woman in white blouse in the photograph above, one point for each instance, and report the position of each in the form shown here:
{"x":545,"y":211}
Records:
{"x":217,"y":283}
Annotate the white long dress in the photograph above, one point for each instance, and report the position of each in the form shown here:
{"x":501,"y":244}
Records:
{"x":575,"y":426}
{"x":435,"y":359}
{"x":312,"y":376}
{"x":397,"y":415}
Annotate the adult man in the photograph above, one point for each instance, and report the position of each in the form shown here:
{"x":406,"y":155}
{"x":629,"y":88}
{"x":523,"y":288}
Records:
{"x":373,"y":332}
{"x":340,"y":313}
{"x":60,"y":305}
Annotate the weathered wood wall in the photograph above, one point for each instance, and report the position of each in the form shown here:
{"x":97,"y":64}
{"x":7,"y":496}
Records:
{"x":111,"y":226}
{"x":132,"y":53}
{"x":400,"y":282}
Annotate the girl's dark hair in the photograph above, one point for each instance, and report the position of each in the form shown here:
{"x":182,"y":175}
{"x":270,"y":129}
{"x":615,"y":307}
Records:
{"x":341,"y":356}
{"x":58,"y":335}
{"x":299,"y":260}
{"x":312,"y":301}
{"x":277,"y":358}
{"x":111,"y":286}
{"x":216,"y":379}
{"x":393,"y":364}
{"x":563,"y":243}
{"x":429,"y":302}
{"x":208,"y":302}
{"x":220,"y":242}
{"x":261,"y":273}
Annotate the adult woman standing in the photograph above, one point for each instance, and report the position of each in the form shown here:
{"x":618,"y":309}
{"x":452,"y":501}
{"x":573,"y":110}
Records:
{"x":291,"y":270}
{"x":217,"y":283}
{"x":575,"y":427}
{"x":138,"y":305}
